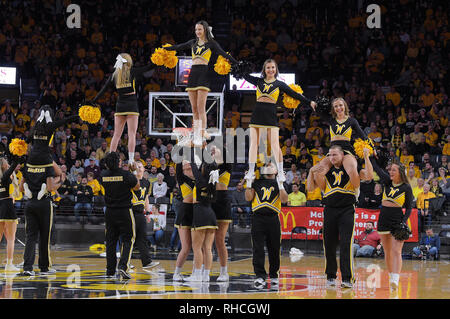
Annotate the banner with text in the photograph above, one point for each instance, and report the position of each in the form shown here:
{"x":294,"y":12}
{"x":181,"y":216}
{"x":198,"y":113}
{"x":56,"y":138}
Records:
{"x":312,"y":219}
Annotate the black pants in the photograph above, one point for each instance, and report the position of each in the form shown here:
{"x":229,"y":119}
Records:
{"x":141,"y":238}
{"x":266,"y":229}
{"x":38,"y":224}
{"x":338,"y":224}
{"x":119,"y":223}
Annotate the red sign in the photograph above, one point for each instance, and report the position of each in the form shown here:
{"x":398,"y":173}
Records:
{"x":312,"y":219}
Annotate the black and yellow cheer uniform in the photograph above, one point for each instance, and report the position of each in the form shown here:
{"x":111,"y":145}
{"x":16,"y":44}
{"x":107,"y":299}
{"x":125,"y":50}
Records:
{"x":222,"y":205}
{"x":266,"y":228}
{"x":127,"y":103}
{"x":119,"y":217}
{"x":338,"y":223}
{"x":265,"y":114}
{"x":349,"y":130}
{"x":7,"y":210}
{"x":199,"y":78}
{"x":38,"y":218}
{"x":40,"y":138}
{"x":138,"y":202}
{"x":391,"y":217}
{"x":204,"y":195}
{"x":185,"y":213}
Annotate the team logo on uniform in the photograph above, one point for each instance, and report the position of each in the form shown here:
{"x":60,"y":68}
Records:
{"x":339,"y":128}
{"x":392,"y":192}
{"x":337,"y":178}
{"x":267,"y":87}
{"x":266,"y":192}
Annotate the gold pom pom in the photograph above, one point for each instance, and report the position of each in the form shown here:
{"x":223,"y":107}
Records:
{"x":222,"y":66}
{"x":90,"y":114}
{"x":359,"y":146}
{"x":158,"y":56}
{"x":18,"y":147}
{"x":171,"y":61}
{"x":290,"y":102}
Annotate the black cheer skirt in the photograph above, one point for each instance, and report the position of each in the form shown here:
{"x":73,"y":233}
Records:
{"x":264,"y":115}
{"x":222,"y":206}
{"x":204,"y":217}
{"x":389,"y":219}
{"x":199,"y":78}
{"x":127,"y":105}
{"x":347,"y":147}
{"x":184,"y":216}
{"x":7,"y":210}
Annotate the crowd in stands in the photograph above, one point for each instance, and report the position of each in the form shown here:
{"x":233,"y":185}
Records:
{"x":395,"y":80}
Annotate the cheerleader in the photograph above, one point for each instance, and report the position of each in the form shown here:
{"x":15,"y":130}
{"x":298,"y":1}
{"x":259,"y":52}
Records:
{"x":222,"y":209}
{"x":127,"y":110}
{"x":40,"y":138}
{"x":8,"y":217}
{"x":264,"y":116}
{"x":392,"y":221}
{"x":342,"y":129}
{"x":183,"y":222}
{"x":204,"y":223}
{"x":198,"y":85}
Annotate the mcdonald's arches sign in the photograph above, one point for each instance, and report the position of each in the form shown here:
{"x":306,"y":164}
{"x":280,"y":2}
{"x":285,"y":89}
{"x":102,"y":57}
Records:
{"x":312,"y":219}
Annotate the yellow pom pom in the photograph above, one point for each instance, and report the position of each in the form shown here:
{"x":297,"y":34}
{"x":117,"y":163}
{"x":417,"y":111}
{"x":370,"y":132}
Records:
{"x":222,"y":66}
{"x":170,"y":61}
{"x":290,"y":102}
{"x":18,"y":147}
{"x":90,"y":114}
{"x":359,"y":146}
{"x":158,"y":56}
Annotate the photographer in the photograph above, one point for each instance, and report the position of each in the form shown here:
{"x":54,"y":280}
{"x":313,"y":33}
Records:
{"x":429,"y":246}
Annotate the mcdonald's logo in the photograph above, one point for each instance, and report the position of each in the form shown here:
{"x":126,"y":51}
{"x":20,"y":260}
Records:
{"x":285,"y":218}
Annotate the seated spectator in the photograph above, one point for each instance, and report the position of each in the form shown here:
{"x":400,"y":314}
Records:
{"x":97,"y":189}
{"x":376,"y":198}
{"x":418,"y":189}
{"x":153,"y":175}
{"x":444,"y":183}
{"x":367,"y":243}
{"x":159,"y":224}
{"x":97,"y":141}
{"x":159,"y":188}
{"x":83,"y":199}
{"x":75,"y":170}
{"x":64,"y":192}
{"x":291,"y":173}
{"x":289,"y":159}
{"x":102,"y":151}
{"x":171,"y":179}
{"x":366,"y":190}
{"x":296,"y":198}
{"x":92,"y":168}
{"x":159,"y":149}
{"x":239,"y":205}
{"x":164,"y":169}
{"x":422,"y":207}
{"x":412,"y":179}
{"x":430,"y":244}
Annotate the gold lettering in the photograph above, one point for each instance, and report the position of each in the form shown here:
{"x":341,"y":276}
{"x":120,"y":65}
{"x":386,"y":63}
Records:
{"x":112,"y":179}
{"x":267,"y":192}
{"x":337,"y":178}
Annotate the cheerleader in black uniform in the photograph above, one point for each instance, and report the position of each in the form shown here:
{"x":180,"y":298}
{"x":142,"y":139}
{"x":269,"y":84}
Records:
{"x":183,"y":222}
{"x":199,"y":82}
{"x":343,"y":130}
{"x":204,"y":223}
{"x":397,"y":194}
{"x":127,"y":109}
{"x":264,"y":115}
{"x":222,"y":208}
{"x":8,"y":217}
{"x":40,"y":138}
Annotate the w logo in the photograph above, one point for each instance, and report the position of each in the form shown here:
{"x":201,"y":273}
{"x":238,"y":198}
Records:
{"x":337,"y":178}
{"x":267,"y":87}
{"x":392,"y":192}
{"x":266,"y":193}
{"x":339,"y":128}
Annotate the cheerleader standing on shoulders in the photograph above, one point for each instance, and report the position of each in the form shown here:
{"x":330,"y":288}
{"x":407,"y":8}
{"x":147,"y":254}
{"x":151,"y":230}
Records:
{"x":41,"y":137}
{"x":264,"y":115}
{"x":391,"y":221}
{"x":8,"y":217}
{"x":198,"y":85}
{"x":127,"y":108}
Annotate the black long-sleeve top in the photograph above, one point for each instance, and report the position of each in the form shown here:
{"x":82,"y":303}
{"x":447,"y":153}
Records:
{"x":272,"y":89}
{"x":130,"y":87}
{"x":5,"y":181}
{"x":203,"y":51}
{"x":401,"y":194}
